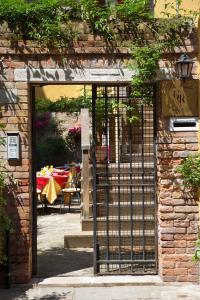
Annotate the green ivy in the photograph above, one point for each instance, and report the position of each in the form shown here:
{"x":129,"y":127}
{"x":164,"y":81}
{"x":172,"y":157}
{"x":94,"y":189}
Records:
{"x":54,"y":23}
{"x":63,"y":104}
{"x":196,"y":256}
{"x":190,"y":171}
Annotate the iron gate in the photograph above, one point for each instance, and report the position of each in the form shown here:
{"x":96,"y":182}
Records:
{"x":124,"y":198}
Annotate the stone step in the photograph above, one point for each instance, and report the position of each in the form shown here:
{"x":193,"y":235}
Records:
{"x":138,"y":147}
{"x":125,"y":224}
{"x":125,"y":168}
{"x":124,"y":209}
{"x":137,"y":195}
{"x":85,"y":239}
{"x":138,"y":282}
{"x":124,"y":179}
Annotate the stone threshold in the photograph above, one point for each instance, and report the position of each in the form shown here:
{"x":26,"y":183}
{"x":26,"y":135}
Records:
{"x":98,"y":281}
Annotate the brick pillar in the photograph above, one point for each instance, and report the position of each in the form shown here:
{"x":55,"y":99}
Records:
{"x":16,"y":116}
{"x":178,"y":211}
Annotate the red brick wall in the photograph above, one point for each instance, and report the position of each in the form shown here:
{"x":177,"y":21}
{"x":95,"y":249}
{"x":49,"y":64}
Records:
{"x":178,"y":211}
{"x":177,"y":207}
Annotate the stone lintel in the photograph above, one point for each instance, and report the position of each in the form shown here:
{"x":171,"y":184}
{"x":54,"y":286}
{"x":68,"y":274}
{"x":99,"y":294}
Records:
{"x":72,"y":75}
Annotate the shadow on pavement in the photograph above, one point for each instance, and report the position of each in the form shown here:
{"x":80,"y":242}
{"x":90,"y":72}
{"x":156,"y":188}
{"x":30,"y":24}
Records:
{"x":60,"y":261}
{"x":30,"y":293}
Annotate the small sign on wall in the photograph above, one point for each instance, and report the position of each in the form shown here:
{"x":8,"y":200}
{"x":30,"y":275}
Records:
{"x":179,"y":98}
{"x":13,"y":146}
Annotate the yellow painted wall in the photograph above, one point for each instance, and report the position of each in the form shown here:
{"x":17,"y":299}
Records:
{"x":54,"y":92}
{"x":188,"y":5}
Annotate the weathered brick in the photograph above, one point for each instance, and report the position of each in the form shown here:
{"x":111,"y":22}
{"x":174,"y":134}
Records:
{"x":168,"y":272}
{"x":168,"y":251}
{"x":190,"y":244}
{"x":168,"y":264}
{"x":193,"y":278}
{"x":184,"y":264}
{"x":167,"y":237}
{"x":181,"y":223}
{"x":180,"y":244}
{"x":182,"y":154}
{"x":186,"y":209}
{"x":180,"y":250}
{"x":166,"y":224}
{"x":173,"y":230}
{"x":169,"y":278}
{"x":193,"y":147}
{"x":191,"y":237}
{"x":167,"y":244}
{"x":166,"y":209}
{"x":181,"y":271}
{"x":167,"y":216}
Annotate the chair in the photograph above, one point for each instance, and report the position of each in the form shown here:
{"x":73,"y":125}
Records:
{"x":72,"y":188}
{"x":39,"y":197}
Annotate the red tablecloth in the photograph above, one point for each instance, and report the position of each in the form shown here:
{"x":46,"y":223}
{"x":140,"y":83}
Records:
{"x":61,"y":179}
{"x":41,"y":181}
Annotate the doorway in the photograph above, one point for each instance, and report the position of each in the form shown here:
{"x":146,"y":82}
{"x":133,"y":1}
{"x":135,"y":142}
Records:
{"x":123,"y":204}
{"x":124,"y":189}
{"x":56,"y":145}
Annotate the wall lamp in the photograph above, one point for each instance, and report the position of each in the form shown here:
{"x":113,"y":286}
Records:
{"x":184,"y":66}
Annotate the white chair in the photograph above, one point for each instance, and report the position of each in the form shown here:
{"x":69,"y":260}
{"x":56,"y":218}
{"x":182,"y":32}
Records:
{"x":72,"y":188}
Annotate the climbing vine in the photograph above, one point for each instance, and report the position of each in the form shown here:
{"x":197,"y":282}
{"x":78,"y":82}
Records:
{"x":55,"y":23}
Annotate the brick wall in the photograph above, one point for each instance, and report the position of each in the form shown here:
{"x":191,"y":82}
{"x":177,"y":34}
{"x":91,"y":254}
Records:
{"x":177,"y":207}
{"x":178,"y":211}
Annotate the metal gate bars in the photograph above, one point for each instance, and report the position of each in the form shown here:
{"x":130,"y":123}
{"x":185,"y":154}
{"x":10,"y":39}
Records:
{"x":124,"y":198}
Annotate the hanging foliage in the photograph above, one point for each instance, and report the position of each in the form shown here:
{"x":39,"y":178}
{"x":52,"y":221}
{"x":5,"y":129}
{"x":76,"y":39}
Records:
{"x":55,"y":23}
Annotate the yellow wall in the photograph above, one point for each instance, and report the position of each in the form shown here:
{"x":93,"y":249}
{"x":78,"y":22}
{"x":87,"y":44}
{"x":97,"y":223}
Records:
{"x":54,"y":92}
{"x":188,"y":5}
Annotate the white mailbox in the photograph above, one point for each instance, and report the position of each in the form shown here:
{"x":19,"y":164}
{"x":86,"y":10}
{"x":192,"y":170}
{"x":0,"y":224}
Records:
{"x":13,"y":145}
{"x":184,"y":124}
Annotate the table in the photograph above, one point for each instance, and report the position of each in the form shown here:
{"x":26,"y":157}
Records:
{"x":51,"y":186}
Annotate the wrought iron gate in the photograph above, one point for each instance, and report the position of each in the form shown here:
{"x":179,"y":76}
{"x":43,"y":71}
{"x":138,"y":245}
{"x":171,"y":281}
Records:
{"x":124,"y":200}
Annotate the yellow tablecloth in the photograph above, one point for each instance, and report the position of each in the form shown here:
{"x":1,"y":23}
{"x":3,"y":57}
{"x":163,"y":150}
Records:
{"x":51,"y":190}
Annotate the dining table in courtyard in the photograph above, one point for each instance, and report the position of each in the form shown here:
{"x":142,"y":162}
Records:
{"x":50,"y":186}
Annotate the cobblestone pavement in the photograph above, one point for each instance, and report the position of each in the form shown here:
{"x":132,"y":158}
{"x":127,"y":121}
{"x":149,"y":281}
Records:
{"x":59,"y":269}
{"x":53,"y":258}
{"x":183,"y":292}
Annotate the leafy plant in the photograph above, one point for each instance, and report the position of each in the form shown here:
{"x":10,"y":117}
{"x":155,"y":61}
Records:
{"x":190,"y":171}
{"x":63,"y":104}
{"x":130,"y":23}
{"x":196,"y":256}
{"x":48,"y":150}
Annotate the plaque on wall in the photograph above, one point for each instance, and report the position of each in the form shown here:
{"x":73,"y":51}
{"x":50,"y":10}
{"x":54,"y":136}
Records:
{"x":179,"y":98}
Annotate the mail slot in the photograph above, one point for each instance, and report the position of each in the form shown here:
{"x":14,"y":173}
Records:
{"x":13,"y":145}
{"x":184,"y":124}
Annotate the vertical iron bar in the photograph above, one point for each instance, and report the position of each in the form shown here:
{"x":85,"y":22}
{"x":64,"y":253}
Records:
{"x":107,"y":179}
{"x":177,"y":7}
{"x":34,"y":194}
{"x":151,"y":6}
{"x":94,"y":192}
{"x":131,"y":188}
{"x":118,"y":176}
{"x":143,"y":181}
{"x":155,"y":174}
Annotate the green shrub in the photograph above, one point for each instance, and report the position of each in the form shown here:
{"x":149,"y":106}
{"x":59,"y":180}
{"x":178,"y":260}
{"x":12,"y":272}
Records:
{"x":190,"y":171}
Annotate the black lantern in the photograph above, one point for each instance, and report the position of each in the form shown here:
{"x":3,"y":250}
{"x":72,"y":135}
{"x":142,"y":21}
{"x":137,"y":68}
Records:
{"x":184,"y":66}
